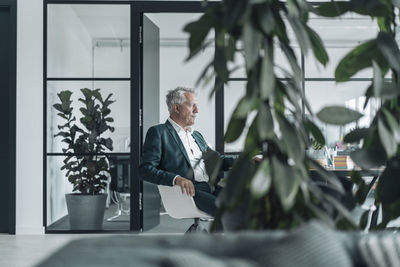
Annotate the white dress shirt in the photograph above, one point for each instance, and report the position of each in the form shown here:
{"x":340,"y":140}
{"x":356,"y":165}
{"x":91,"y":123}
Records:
{"x":193,"y":151}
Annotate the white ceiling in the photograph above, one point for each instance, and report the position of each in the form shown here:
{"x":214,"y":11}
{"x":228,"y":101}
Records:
{"x":113,"y":21}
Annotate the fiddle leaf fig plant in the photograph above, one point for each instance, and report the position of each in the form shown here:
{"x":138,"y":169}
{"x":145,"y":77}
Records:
{"x":277,"y":190}
{"x":380,"y":141}
{"x":86,"y":169}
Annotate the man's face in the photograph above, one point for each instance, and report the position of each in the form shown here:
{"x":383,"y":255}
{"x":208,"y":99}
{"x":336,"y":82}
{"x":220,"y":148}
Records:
{"x":188,"y":110}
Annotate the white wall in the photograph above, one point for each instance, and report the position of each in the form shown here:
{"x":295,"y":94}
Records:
{"x":29,"y":160}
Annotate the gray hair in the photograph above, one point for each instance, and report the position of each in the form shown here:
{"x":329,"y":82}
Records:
{"x":177,"y":96}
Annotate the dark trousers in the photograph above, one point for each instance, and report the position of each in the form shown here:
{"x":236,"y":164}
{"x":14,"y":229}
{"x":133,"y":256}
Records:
{"x":205,"y":197}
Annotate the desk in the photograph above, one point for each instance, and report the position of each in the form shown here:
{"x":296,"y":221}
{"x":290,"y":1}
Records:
{"x":346,"y":172}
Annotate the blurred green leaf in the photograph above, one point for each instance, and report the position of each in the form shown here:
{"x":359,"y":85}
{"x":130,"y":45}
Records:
{"x":301,"y":34}
{"x":327,"y":176}
{"x":389,"y":49}
{"x":235,"y":129}
{"x":295,"y":146}
{"x":394,"y":125}
{"x":359,"y":58}
{"x":333,"y":8}
{"x":364,"y":219}
{"x":378,"y":79}
{"x":198,"y":31}
{"x":373,"y":8}
{"x":267,"y":77}
{"x":213,"y":163}
{"x":356,"y":135}
{"x":340,"y":208}
{"x":367,"y":159}
{"x":251,"y":44}
{"x":241,"y":172}
{"x":315,"y":131}
{"x":265,"y":122}
{"x":285,"y":182}
{"x":338,"y":115}
{"x":290,"y":55}
{"x":317,"y":46}
{"x":388,"y":189}
{"x":389,"y":90}
{"x":265,"y":18}
{"x":388,"y":141}
{"x":244,"y":106}
{"x":261,"y":182}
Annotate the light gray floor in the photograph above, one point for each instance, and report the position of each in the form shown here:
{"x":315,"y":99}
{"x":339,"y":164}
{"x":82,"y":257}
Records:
{"x":28,"y":250}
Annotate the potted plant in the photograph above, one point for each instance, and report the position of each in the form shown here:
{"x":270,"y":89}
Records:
{"x":86,"y":166}
{"x":278,"y":191}
{"x":381,"y":139}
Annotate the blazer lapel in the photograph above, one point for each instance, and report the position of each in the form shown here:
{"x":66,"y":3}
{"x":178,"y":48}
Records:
{"x":199,"y":142}
{"x":177,"y":140}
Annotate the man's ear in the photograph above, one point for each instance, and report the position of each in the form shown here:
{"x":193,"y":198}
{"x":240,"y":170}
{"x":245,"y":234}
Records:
{"x":175,"y":107}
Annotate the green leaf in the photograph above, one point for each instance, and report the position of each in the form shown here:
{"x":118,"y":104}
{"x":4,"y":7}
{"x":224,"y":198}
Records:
{"x":356,"y":135}
{"x":327,"y":176}
{"x":317,"y":46}
{"x":367,"y":159}
{"x":378,"y":79}
{"x":301,"y":34}
{"x":213,"y":163}
{"x":265,"y":18}
{"x":235,"y":129}
{"x":267,"y":81}
{"x":388,"y":141}
{"x":388,"y":189}
{"x":333,"y":9}
{"x":364,"y":219}
{"x":59,"y":108}
{"x":251,"y":44}
{"x":340,"y":208}
{"x":389,"y":90}
{"x":198,"y":31}
{"x":373,"y":8}
{"x":65,"y":96}
{"x":242,"y":170}
{"x":261,"y":182}
{"x":265,"y":122}
{"x":389,"y":49}
{"x":394,"y":125}
{"x":291,"y":56}
{"x":294,"y":145}
{"x":315,"y":131}
{"x":338,"y":115}
{"x":286,"y":183}
{"x":359,"y":58}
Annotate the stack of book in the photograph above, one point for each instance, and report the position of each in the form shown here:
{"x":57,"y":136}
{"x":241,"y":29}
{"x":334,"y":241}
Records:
{"x":343,"y":162}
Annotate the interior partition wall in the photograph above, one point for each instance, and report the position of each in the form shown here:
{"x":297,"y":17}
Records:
{"x":88,"y":45}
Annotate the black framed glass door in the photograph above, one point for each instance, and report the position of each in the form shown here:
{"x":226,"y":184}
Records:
{"x":87,"y":47}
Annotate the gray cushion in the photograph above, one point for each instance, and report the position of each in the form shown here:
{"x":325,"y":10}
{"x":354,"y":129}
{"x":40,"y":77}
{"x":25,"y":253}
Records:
{"x":310,"y":245}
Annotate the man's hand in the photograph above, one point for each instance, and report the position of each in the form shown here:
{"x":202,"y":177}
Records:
{"x":186,"y":185}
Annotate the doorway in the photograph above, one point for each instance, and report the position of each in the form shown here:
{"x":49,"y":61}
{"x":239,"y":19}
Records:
{"x":163,"y":50}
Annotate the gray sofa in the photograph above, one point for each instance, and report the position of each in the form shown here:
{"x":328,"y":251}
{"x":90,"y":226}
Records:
{"x":309,"y":245}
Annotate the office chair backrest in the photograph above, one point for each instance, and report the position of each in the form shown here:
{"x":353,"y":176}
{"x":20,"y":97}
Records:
{"x":178,"y":205}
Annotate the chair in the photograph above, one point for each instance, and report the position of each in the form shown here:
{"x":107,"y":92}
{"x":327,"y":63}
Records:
{"x":120,"y":187}
{"x":182,"y":206}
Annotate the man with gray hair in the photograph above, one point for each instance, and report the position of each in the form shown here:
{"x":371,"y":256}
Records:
{"x":172,"y":152}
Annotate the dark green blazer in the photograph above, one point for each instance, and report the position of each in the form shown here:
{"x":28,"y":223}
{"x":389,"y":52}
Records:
{"x":164,"y":155}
